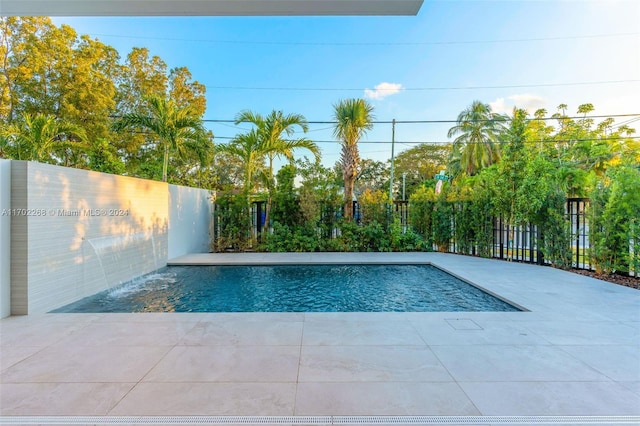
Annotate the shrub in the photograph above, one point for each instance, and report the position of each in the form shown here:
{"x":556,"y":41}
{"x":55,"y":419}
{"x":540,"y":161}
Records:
{"x":230,"y":219}
{"x":421,"y":212}
{"x":442,"y":227}
{"x":614,"y":217}
{"x":375,"y":207}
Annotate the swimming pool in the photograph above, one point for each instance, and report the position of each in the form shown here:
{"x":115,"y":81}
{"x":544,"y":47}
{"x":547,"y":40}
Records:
{"x":293,"y":288}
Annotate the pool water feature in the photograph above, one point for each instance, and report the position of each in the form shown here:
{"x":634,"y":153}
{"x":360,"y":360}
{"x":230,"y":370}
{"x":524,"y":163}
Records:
{"x":293,"y":288}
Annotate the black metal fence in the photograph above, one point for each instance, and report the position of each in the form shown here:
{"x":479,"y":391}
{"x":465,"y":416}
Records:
{"x":576,"y":211}
{"x":518,"y":243}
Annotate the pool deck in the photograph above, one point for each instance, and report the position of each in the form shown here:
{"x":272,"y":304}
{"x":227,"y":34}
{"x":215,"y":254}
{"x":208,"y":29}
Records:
{"x":576,"y":352}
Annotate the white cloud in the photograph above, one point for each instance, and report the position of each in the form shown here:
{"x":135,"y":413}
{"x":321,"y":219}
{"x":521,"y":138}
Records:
{"x":382,"y":90}
{"x":526,"y":101}
{"x":498,"y":106}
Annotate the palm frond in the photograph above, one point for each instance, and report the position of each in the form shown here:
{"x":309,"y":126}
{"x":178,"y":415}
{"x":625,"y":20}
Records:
{"x":178,"y":129}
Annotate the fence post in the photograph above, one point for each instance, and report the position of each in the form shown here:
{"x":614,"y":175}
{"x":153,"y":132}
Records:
{"x":530,"y":236}
{"x":539,"y":253}
{"x":259,"y":223}
{"x":501,"y":235}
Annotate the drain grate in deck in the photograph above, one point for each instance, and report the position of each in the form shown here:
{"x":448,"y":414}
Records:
{"x":319,"y":420}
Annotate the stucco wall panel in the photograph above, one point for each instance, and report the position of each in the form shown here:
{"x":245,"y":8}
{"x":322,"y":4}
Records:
{"x":190,"y":212}
{"x":87,"y":231}
{"x":97,"y":231}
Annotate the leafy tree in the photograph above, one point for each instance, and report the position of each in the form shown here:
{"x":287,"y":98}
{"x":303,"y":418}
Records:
{"x":178,"y":129}
{"x":319,"y":194}
{"x":539,"y":132}
{"x":372,"y":176}
{"x":507,"y":179}
{"x":4,"y":143}
{"x":422,"y":202}
{"x":479,"y":193}
{"x":50,"y":70}
{"x":143,"y":76}
{"x":579,"y":144}
{"x":442,"y":222}
{"x":375,"y":208}
{"x":185,"y":92}
{"x":87,"y":96}
{"x":104,"y":158}
{"x":482,"y":225}
{"x":354,"y":118}
{"x":227,"y":170}
{"x":544,"y":207}
{"x":286,"y":210}
{"x":477,"y":132}
{"x":196,"y":176}
{"x":420,"y":164}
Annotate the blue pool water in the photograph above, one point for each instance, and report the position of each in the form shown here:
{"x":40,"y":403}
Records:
{"x":299,"y":288}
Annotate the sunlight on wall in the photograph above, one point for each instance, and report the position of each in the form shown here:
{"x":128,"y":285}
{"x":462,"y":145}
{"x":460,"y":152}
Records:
{"x":90,"y":231}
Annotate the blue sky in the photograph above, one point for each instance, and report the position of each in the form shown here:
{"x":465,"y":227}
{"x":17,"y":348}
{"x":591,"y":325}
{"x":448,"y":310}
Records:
{"x":544,"y":50}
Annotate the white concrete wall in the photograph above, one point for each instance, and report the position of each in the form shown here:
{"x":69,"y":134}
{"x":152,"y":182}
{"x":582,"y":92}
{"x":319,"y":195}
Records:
{"x":5,"y":238}
{"x":86,"y":232}
{"x":83,"y":232}
{"x":190,"y":212}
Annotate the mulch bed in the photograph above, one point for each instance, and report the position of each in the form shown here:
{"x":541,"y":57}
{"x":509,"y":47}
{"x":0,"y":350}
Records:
{"x":625,"y":280}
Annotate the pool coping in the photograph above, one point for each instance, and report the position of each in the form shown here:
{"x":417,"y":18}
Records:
{"x":574,"y":353}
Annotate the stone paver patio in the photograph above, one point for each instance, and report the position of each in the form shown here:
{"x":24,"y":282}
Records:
{"x":576,"y":352}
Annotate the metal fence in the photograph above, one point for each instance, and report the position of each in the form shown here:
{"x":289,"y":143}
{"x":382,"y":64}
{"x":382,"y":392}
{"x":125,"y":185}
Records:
{"x":518,"y":243}
{"x":576,"y":210}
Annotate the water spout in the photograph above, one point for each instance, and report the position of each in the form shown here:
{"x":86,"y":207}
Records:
{"x":123,"y":257}
{"x":105,"y":282}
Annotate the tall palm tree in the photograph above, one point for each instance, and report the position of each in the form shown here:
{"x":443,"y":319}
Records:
{"x":251,"y":149}
{"x":477,"y":132}
{"x":38,"y":137}
{"x":275,"y":132}
{"x":354,"y":117}
{"x":178,"y":129}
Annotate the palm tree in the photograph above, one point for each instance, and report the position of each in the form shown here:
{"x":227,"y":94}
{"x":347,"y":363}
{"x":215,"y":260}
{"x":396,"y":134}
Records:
{"x":38,"y":137}
{"x":251,"y":150}
{"x":178,"y":129}
{"x":272,"y":130}
{"x":4,"y":144}
{"x":477,"y":132}
{"x":354,"y":117}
